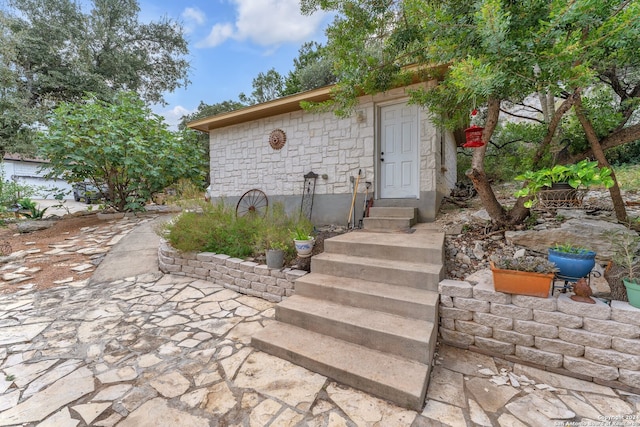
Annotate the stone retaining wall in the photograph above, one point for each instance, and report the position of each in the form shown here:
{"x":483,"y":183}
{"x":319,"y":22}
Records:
{"x":242,"y":276}
{"x":597,"y":342}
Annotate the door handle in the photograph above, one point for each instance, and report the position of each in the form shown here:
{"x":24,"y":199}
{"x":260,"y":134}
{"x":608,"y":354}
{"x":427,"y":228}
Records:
{"x":381,"y":154}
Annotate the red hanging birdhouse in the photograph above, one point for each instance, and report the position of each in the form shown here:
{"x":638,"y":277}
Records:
{"x":474,"y":137}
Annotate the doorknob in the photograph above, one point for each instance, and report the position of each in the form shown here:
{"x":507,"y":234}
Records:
{"x":381,"y":154}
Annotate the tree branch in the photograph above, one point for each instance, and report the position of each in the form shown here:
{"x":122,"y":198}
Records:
{"x":521,"y":116}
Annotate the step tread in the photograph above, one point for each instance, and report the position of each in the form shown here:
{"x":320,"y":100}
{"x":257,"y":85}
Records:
{"x":386,"y":323}
{"x":433,"y":240}
{"x":420,"y":267}
{"x":375,"y":372}
{"x":382,"y":290}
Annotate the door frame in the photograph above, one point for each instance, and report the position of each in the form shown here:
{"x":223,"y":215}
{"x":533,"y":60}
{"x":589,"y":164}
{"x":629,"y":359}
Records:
{"x":378,"y":147}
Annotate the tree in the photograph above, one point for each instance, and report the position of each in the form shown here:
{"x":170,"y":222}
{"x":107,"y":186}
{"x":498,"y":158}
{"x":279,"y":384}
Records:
{"x":497,"y":54}
{"x":312,"y":69}
{"x":121,"y":144}
{"x":266,"y":86}
{"x":59,"y":52}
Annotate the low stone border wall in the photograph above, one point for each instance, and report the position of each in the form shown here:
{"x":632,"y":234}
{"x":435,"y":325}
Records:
{"x":242,"y":276}
{"x":595,"y":342}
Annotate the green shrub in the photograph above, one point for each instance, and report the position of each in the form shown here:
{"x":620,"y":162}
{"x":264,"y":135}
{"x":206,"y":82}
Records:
{"x":216,"y":229}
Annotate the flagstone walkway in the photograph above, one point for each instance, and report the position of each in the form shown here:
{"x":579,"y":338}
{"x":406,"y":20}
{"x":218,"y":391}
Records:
{"x":166,"y":350}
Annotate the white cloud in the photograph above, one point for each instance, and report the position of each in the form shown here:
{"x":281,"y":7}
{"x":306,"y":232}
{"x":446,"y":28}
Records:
{"x":218,"y":35}
{"x":267,"y":23}
{"x":193,"y":17}
{"x":173,"y":116}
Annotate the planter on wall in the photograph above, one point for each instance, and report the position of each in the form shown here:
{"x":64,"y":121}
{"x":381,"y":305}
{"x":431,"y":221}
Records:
{"x":304,"y":247}
{"x":633,"y":292}
{"x":572,"y":266}
{"x":275,"y":258}
{"x":521,"y":282}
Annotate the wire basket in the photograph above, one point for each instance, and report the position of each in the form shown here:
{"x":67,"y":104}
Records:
{"x":564,"y":198}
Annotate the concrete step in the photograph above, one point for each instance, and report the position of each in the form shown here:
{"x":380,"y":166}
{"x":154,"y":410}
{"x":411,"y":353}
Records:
{"x":393,"y":212}
{"x":402,"y":336}
{"x":399,"y":380}
{"x":424,"y":247}
{"x":402,"y":273}
{"x":387,"y":224}
{"x":398,"y":300}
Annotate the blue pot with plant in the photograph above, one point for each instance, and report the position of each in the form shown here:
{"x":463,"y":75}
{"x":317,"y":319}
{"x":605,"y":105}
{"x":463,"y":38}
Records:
{"x":573,"y":262}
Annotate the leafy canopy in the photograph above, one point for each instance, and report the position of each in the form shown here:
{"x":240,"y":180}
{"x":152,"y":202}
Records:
{"x":58,"y":50}
{"x":121,"y":144}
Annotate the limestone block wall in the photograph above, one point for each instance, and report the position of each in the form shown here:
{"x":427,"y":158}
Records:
{"x":597,"y":342}
{"x":242,"y":276}
{"x":333,"y":147}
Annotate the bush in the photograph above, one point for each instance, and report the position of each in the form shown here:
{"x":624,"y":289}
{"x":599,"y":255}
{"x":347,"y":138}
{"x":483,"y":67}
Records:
{"x":216,"y":229}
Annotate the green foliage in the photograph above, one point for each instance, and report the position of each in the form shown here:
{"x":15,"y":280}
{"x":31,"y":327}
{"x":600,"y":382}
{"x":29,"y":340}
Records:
{"x":216,"y":229}
{"x":57,"y":50}
{"x":266,"y":86}
{"x":569,"y":248}
{"x":11,"y":192}
{"x":626,"y":247}
{"x":527,"y":263}
{"x":26,"y":204}
{"x":628,"y":177}
{"x":627,"y":154}
{"x":121,"y":144}
{"x":581,"y":174}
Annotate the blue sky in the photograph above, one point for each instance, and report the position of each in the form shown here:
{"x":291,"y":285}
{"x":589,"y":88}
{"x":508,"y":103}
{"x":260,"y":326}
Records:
{"x":230,"y":42}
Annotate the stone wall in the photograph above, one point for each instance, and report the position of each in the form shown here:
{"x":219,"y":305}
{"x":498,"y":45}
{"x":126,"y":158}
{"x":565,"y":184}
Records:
{"x":242,"y":276}
{"x":597,"y":342}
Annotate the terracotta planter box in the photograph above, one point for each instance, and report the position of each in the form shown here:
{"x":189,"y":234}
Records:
{"x":521,"y":282}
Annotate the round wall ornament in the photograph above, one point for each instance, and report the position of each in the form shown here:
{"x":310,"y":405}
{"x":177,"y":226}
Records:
{"x":277,"y":138}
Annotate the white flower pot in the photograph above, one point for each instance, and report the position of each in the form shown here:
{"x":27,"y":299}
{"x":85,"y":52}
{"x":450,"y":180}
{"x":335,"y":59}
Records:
{"x":304,"y":247}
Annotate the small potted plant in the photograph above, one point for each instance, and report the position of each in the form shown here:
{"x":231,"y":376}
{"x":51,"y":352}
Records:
{"x":302,"y":239}
{"x":573,"y":262}
{"x":627,"y":246}
{"x":274,"y":242}
{"x":526,"y":275}
{"x":566,"y":179}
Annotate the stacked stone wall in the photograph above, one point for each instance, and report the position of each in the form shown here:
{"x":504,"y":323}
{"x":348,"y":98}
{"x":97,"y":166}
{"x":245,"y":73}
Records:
{"x":245,"y":277}
{"x":597,"y":342}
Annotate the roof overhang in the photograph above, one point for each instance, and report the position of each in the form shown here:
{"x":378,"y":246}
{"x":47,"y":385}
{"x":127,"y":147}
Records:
{"x":287,"y":104}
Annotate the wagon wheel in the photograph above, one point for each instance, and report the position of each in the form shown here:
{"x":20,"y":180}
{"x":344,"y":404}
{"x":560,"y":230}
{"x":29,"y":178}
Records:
{"x":253,"y":202}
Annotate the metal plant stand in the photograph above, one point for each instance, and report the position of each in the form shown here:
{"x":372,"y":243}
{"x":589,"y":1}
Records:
{"x":307,"y":196}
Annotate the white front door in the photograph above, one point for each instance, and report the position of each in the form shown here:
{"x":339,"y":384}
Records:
{"x":399,"y":151}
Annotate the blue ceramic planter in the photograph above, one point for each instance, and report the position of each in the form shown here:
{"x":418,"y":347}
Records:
{"x":572,"y":266}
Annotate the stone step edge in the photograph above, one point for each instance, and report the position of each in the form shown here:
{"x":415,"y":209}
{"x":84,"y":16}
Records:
{"x":402,"y":381}
{"x":393,"y":299}
{"x":403,"y":336}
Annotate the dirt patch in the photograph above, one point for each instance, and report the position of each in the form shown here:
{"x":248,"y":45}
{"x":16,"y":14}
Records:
{"x":52,"y":269}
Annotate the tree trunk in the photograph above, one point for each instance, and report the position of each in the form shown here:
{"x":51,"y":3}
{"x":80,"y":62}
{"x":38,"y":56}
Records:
{"x":478,"y":177}
{"x":592,"y":137}
{"x":553,"y":124}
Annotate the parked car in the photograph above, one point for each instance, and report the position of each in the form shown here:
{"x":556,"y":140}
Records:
{"x":89,"y":192}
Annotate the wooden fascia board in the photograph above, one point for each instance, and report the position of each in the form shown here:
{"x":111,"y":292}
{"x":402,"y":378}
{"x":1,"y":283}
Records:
{"x":271,"y":108}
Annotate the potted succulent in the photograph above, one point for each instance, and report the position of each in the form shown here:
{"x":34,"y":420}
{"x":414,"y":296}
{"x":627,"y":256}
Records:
{"x":627,"y":246}
{"x":526,"y":275}
{"x":573,"y":262}
{"x":562,"y":177}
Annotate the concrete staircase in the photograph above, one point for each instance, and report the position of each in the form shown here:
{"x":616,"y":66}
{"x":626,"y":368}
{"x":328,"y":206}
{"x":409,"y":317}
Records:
{"x":385,"y":219}
{"x":367,"y":314}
